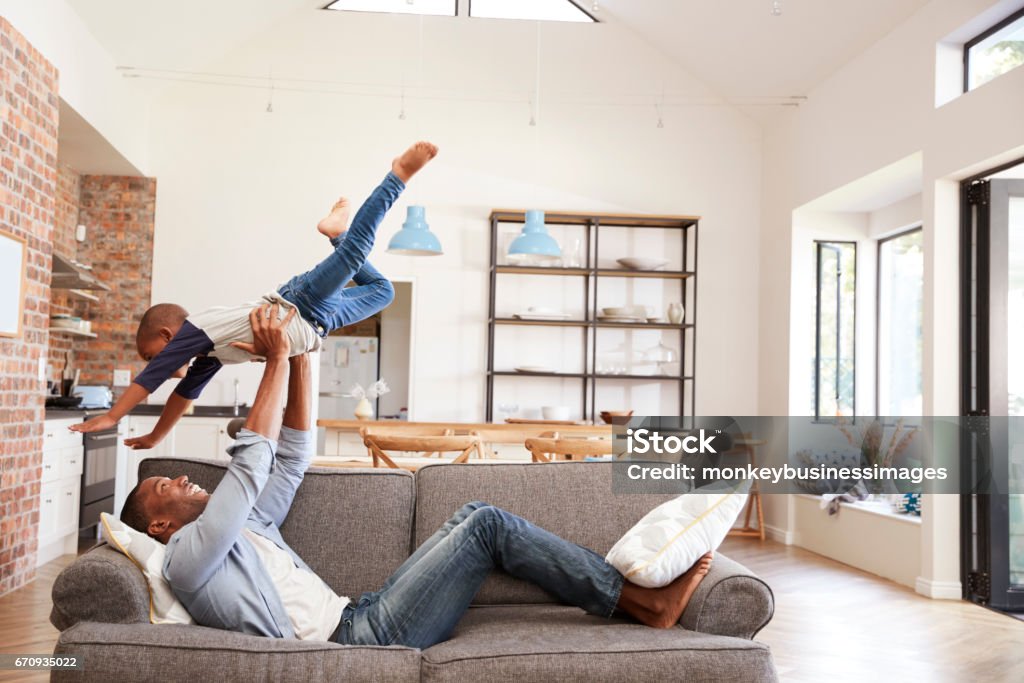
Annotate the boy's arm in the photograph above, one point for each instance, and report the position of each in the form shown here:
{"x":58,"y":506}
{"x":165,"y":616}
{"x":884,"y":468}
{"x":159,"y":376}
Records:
{"x":132,"y":396}
{"x":199,"y":375}
{"x":175,"y":407}
{"x":186,"y":344}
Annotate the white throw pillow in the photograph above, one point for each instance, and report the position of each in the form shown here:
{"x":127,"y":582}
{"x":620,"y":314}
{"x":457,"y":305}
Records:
{"x":148,"y":555}
{"x":672,"y":537}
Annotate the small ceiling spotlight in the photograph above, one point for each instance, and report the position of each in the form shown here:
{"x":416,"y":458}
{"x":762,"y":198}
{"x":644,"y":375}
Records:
{"x":776,"y":8}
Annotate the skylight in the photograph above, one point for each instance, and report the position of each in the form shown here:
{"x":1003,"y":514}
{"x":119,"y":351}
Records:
{"x":442,"y":8}
{"x":537,"y":10}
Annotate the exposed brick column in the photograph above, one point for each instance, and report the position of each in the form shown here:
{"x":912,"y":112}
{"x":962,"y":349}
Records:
{"x":118,"y":212}
{"x":28,"y":178}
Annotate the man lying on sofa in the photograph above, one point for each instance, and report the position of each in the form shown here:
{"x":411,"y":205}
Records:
{"x":228,"y":564}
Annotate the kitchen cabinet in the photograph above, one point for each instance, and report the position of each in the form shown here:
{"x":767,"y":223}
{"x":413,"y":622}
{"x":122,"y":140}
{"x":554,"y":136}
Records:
{"x":59,"y":491}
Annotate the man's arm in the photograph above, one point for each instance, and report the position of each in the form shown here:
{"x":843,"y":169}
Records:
{"x":199,"y":548}
{"x":295,"y":447}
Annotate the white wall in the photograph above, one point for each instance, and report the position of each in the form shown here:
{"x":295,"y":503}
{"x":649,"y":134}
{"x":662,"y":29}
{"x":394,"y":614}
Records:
{"x":88,"y":79}
{"x":878,"y":109}
{"x":240,"y":190}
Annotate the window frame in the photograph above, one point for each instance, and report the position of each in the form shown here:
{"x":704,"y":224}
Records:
{"x":818,"y":243}
{"x":878,"y":311}
{"x":1016,"y":16}
{"x":328,"y":8}
{"x":593,"y":19}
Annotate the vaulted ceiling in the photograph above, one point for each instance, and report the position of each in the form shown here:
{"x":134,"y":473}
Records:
{"x":737,"y":47}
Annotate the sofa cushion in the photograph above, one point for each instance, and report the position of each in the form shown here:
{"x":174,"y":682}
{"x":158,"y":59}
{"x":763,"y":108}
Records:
{"x":673,"y":536}
{"x":148,"y":555}
{"x":552,"y":643}
{"x":572,"y":499}
{"x":351,"y":526}
{"x":147,"y":652}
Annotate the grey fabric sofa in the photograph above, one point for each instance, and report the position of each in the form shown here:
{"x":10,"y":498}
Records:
{"x":355,"y":526}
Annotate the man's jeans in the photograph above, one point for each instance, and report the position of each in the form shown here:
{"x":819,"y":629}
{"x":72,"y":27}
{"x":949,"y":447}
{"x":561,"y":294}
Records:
{"x":421,"y":603}
{"x":320,"y":294}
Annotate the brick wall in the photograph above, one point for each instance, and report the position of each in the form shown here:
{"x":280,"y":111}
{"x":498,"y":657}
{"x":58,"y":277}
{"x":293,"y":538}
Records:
{"x":69,"y":188}
{"x":118,"y":212}
{"x":28,"y":177}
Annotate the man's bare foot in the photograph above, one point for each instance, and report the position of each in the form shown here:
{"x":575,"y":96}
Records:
{"x":662,"y":607}
{"x":336,"y":221}
{"x":412,"y":160}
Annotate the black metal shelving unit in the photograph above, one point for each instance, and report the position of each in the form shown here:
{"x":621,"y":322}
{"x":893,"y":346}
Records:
{"x":592,"y":276}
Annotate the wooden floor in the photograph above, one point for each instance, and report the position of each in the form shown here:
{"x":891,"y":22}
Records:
{"x":832,"y":623}
{"x":836,"y":623}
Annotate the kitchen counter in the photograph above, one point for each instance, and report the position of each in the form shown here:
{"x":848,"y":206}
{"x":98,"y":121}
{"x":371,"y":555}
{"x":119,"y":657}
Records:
{"x":147,"y":409}
{"x":466,"y":427}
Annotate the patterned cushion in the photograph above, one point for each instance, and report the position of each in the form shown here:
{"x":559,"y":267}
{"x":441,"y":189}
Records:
{"x":148,"y":554}
{"x":671,"y":537}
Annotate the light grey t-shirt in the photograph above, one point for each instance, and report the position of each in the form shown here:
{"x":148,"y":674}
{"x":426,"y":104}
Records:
{"x":226,"y":324}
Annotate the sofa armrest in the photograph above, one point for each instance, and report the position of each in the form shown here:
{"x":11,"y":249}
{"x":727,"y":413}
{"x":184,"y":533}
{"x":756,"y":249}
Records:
{"x":102,"y":585}
{"x":730,"y":601}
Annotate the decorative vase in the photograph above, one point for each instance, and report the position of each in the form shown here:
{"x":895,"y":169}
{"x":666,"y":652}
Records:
{"x":364,"y":409}
{"x":675,"y":313}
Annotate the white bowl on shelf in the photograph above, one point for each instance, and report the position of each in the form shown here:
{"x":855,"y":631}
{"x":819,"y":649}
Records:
{"x":641,"y":263}
{"x":555,"y":412}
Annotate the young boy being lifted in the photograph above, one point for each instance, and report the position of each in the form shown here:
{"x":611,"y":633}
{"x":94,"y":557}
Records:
{"x":169,"y":338}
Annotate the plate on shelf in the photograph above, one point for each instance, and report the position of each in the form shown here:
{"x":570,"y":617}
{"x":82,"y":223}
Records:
{"x":658,"y":321}
{"x":541,"y":316}
{"x":533,"y":369}
{"x":620,"y":319}
{"x":641,"y":263}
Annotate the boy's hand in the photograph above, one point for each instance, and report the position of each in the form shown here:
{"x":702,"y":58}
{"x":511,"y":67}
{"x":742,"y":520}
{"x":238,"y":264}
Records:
{"x":269,"y":337}
{"x":139,"y":443}
{"x":96,"y":424}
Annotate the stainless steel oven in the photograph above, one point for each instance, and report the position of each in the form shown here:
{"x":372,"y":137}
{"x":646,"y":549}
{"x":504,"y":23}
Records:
{"x":99,"y":470}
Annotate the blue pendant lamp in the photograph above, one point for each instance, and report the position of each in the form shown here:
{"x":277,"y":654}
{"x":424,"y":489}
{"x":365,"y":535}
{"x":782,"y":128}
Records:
{"x":534,"y":245}
{"x":415,"y":238}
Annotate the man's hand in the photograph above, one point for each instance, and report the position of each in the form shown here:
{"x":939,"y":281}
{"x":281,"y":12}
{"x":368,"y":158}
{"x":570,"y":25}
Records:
{"x":269,"y":337}
{"x":96,"y":424}
{"x":139,"y":443}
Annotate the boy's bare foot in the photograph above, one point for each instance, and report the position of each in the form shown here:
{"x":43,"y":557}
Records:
{"x":413,"y":159}
{"x":662,"y":607}
{"x":336,"y":221}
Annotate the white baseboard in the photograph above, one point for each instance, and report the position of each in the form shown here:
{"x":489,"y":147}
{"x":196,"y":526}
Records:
{"x":785,"y":536}
{"x":938,"y":590}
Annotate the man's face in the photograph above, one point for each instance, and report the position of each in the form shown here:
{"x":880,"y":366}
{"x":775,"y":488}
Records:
{"x":150,"y":346}
{"x":171,"y":503}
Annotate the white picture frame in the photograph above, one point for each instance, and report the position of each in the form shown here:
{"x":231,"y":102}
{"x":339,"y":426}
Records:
{"x":13,"y":263}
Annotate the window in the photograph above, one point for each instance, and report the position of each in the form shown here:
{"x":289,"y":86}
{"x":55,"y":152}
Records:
{"x":994,"y":52}
{"x":834,"y":328}
{"x":900,"y":307}
{"x":542,"y":10}
{"x":444,"y":8}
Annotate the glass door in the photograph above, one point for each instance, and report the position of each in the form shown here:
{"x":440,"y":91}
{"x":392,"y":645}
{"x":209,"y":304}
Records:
{"x":993,"y":369}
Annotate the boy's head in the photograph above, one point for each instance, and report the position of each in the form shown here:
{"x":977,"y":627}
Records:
{"x":158,"y":325}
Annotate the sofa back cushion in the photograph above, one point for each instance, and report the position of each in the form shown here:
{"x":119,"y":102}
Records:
{"x":351,"y":525}
{"x":572,"y":499}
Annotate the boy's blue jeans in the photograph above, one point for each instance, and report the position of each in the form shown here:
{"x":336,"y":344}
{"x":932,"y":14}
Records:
{"x":424,"y":599}
{"x":320,"y":294}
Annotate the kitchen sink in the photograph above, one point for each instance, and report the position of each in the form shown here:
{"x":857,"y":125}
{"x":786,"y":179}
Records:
{"x":197,"y":411}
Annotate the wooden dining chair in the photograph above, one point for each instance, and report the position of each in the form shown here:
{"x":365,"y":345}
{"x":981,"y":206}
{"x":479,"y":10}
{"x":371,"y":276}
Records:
{"x":380,"y":444}
{"x":546,"y":450}
{"x":509,"y":436}
{"x":405,"y":430}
